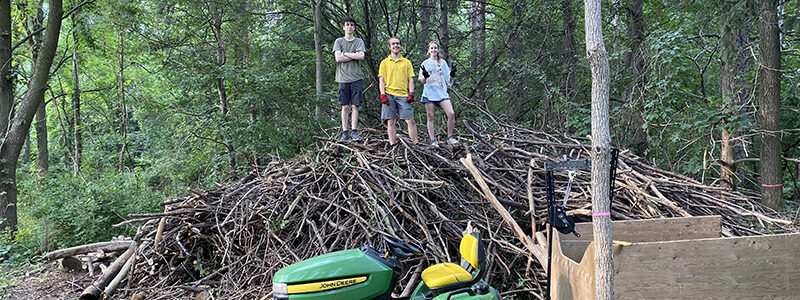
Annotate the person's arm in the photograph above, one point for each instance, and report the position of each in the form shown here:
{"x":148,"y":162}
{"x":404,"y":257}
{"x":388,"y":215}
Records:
{"x":341,"y":57}
{"x":382,"y":85}
{"x":422,"y":79}
{"x":355,"y":56}
{"x":411,"y":84}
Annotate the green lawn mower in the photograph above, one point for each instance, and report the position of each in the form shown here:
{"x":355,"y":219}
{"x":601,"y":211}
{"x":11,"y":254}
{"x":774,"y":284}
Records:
{"x":367,"y":273}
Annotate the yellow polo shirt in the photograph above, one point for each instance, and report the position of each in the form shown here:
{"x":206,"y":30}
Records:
{"x":395,"y":75}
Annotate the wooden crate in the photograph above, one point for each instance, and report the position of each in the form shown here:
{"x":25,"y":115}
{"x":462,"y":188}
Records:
{"x":680,"y":258}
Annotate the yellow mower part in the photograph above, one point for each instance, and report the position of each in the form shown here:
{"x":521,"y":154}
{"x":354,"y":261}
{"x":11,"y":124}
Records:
{"x":443,"y":274}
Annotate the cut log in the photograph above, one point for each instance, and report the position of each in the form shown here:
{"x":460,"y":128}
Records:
{"x":112,"y":286}
{"x":83,"y":249}
{"x":93,"y":291}
{"x":71,"y":264}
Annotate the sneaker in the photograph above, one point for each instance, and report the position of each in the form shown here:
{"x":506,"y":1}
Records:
{"x":421,"y":147}
{"x":451,"y":140}
{"x":344,"y":137}
{"x":354,"y":136}
{"x":434,"y":144}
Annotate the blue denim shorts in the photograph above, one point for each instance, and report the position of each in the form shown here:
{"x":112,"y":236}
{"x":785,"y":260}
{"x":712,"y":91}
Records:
{"x":435,"y":102}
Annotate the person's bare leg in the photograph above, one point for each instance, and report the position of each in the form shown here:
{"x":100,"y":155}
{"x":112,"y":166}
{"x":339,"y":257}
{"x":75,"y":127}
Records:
{"x":345,"y":112}
{"x":429,"y":112}
{"x":354,"y":117}
{"x":451,"y":116}
{"x":412,"y":130}
{"x":391,"y":130}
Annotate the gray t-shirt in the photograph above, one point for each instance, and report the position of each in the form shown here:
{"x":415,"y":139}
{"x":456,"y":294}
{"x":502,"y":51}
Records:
{"x":350,"y":71}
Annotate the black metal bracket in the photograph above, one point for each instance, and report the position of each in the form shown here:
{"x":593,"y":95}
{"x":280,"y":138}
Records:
{"x":577,"y":164}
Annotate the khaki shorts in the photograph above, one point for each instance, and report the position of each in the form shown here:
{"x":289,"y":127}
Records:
{"x":398,"y":108}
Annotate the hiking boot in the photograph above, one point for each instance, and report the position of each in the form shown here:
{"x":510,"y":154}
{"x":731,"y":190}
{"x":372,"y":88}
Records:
{"x":354,"y":136}
{"x":452,"y":141}
{"x":434,"y":144}
{"x":344,"y":137}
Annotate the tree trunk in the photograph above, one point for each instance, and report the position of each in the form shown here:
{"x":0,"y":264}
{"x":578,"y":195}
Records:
{"x":123,"y":111}
{"x":318,"y":49}
{"x":769,"y":110}
{"x":442,"y":30}
{"x":220,"y":81}
{"x":20,"y":125}
{"x":727,"y":75}
{"x":425,"y":27}
{"x":570,"y":58}
{"x":76,"y":105}
{"x":631,"y":116}
{"x":43,"y":156}
{"x":477,"y":21}
{"x":6,"y":79}
{"x":601,"y":151}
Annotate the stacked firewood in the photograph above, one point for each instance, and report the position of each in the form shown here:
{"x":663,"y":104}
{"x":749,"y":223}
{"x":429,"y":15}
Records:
{"x":229,"y":241}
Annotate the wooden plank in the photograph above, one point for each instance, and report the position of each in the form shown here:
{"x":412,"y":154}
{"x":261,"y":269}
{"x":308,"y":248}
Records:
{"x":571,"y":280}
{"x":654,"y":230}
{"x":694,"y":267}
{"x":764,"y":267}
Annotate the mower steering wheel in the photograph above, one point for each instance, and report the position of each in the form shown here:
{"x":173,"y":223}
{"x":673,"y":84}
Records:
{"x":400,"y":248}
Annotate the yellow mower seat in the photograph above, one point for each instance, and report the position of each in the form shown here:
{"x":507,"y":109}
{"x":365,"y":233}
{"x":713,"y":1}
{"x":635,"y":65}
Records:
{"x":444,"y":274}
{"x":450,"y":276}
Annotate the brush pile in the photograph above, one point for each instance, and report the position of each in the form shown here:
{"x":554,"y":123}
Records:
{"x":229,"y":241}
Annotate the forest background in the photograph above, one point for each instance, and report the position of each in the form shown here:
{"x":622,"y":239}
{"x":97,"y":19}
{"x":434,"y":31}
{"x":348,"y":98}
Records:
{"x":146,"y":99}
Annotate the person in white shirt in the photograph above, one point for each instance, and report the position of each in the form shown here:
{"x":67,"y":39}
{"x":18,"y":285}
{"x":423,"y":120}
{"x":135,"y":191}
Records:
{"x":436,"y":78}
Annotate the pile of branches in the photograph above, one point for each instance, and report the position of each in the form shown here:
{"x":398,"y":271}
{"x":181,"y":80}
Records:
{"x":229,"y":241}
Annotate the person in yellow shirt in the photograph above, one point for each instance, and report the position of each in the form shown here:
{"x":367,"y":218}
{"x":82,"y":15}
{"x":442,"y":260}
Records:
{"x":396,"y":84}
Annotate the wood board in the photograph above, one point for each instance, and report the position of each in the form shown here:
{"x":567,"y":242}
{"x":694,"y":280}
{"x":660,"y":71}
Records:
{"x":697,"y":264}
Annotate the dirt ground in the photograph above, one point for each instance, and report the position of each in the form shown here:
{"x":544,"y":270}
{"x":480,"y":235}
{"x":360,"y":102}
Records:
{"x":43,"y":281}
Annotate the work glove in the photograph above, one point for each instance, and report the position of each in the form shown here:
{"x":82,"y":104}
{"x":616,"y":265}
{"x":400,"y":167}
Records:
{"x":453,"y":72}
{"x":384,"y":99}
{"x":410,"y":97}
{"x":425,"y":72}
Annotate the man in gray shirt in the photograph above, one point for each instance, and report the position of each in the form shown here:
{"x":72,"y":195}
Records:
{"x":349,"y":52}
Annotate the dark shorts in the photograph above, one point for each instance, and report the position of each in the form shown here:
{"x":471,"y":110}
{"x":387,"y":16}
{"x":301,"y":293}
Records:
{"x":351,"y":93}
{"x":398,"y":108}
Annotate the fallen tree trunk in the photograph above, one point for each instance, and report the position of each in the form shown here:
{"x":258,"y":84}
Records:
{"x":93,"y":291}
{"x":112,"y":286}
{"x":83,"y":249}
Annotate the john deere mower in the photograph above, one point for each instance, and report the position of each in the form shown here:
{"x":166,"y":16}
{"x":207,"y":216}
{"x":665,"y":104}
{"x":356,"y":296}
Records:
{"x":368,"y":273}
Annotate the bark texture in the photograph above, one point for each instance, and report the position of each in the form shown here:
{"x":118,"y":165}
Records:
{"x":601,"y":150}
{"x":19,"y":126}
{"x":769,"y":108}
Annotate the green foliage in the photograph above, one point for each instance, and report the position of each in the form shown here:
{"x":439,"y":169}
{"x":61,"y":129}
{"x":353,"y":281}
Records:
{"x":65,"y":211}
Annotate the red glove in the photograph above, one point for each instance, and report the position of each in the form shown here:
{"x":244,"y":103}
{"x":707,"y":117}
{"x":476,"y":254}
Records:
{"x":384,"y":99}
{"x":410,"y":98}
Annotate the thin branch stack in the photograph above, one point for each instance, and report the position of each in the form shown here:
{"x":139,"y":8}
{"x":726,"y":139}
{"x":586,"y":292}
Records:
{"x":229,"y":241}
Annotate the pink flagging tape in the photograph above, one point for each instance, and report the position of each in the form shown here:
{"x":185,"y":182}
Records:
{"x":772,"y":185}
{"x":601,"y":214}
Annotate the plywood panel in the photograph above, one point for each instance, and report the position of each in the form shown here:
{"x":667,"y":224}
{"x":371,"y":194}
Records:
{"x":654,"y":230}
{"x":571,"y":280}
{"x":759,"y":267}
